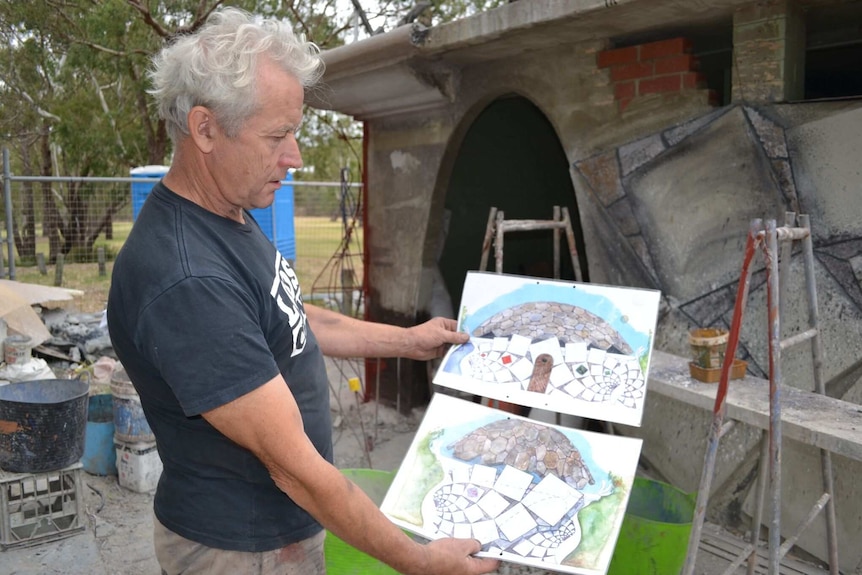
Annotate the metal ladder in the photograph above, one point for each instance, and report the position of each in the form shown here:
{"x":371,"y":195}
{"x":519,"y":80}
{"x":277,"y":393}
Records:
{"x":768,"y":238}
{"x":498,"y":225}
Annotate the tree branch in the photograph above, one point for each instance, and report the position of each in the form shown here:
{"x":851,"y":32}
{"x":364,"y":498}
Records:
{"x":107,"y":112}
{"x":39,"y":110}
{"x":111,"y":51}
{"x":144,"y":11}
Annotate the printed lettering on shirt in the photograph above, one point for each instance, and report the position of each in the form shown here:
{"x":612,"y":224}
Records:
{"x":285,"y":290}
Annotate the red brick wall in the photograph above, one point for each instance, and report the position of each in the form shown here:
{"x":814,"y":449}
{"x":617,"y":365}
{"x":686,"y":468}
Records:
{"x":655,"y":68}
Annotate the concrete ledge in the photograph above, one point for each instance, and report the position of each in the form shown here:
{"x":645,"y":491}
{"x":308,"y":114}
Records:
{"x":807,"y":417}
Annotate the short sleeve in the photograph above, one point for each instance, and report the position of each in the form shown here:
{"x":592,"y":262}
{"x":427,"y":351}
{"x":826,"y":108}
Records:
{"x":205,"y":338}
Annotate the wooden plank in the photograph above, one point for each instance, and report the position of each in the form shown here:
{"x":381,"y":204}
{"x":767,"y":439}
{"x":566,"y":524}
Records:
{"x":724,"y":546}
{"x":807,"y":417}
{"x":39,"y":294}
{"x":531,"y":225}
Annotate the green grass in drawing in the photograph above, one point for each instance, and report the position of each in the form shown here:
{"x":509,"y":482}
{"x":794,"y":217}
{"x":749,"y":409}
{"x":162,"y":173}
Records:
{"x":465,"y":313}
{"x":425,"y":473}
{"x":643,"y":360}
{"x":597,"y":525}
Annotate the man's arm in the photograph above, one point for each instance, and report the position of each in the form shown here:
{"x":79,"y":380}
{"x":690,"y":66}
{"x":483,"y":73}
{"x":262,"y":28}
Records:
{"x":267,"y":421}
{"x":343,"y":336}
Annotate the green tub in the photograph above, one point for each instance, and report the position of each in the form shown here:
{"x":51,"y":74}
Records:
{"x":654,"y":536}
{"x":341,"y":558}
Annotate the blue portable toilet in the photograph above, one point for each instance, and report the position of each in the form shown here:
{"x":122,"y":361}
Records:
{"x":276,"y":221}
{"x":140,"y":190}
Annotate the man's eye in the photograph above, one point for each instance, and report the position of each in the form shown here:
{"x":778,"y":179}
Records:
{"x":284,"y":135}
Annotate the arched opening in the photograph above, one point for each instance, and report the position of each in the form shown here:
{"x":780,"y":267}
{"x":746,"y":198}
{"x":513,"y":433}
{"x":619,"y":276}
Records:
{"x":511,"y":159}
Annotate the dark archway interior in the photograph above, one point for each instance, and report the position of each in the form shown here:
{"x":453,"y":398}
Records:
{"x":510,"y":159}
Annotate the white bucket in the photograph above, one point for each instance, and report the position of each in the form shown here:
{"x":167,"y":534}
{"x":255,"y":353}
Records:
{"x":16,"y":349}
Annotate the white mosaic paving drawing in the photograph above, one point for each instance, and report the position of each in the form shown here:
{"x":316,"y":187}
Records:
{"x":598,"y":377}
{"x":516,"y":485}
{"x":563,"y":346}
{"x":521,"y":514}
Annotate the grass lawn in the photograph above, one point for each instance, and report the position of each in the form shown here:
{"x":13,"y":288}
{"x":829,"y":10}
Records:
{"x":317,"y":240}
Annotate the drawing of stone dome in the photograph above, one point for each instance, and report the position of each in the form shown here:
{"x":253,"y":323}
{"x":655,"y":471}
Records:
{"x":527,"y":447}
{"x":542,"y":320}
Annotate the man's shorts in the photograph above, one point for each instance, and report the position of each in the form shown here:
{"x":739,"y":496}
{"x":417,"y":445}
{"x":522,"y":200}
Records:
{"x":179,"y":556}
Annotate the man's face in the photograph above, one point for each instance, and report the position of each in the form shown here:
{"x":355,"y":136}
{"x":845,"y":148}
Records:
{"x":248,"y":168}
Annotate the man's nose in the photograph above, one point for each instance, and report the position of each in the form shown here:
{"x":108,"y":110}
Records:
{"x":291,"y":157}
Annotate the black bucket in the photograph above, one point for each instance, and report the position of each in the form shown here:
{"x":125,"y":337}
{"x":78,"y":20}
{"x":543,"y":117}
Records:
{"x":42,"y":424}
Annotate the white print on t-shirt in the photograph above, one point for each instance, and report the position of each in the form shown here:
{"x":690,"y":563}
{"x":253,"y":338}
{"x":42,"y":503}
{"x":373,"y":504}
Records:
{"x":285,"y":290}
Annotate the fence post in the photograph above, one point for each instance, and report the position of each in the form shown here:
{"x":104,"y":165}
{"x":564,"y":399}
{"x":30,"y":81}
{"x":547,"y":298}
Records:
{"x":58,"y":270}
{"x":100,"y":251}
{"x":7,"y":194}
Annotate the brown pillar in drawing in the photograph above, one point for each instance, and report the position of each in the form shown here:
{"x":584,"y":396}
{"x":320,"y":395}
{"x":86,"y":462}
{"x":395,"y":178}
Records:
{"x":541,"y":373}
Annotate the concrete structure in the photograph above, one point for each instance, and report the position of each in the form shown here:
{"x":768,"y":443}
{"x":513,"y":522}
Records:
{"x":664,"y":126}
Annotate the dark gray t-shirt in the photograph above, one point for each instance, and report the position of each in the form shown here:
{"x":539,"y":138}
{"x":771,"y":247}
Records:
{"x":201,"y":311}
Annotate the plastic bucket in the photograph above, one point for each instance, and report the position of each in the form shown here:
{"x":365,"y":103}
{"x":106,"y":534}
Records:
{"x":42,"y":424}
{"x":654,"y":536}
{"x":341,"y":558}
{"x":100,"y":457}
{"x":707,"y":346}
{"x":130,"y":424}
{"x":16,"y":349}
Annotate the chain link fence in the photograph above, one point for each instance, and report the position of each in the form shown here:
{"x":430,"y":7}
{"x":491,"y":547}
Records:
{"x":85,"y":221}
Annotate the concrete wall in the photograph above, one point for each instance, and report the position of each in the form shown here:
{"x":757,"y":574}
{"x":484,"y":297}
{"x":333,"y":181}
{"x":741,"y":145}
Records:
{"x":693,"y":198}
{"x":667,"y":209}
{"x":666,"y":184}
{"x":410,"y":159}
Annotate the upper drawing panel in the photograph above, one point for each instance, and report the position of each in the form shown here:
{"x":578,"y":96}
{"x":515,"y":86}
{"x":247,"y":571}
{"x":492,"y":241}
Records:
{"x":568,"y":347}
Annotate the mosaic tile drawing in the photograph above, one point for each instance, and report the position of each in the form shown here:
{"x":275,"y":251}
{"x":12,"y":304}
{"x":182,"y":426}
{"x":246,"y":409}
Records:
{"x":567,"y":347}
{"x":532,"y":493}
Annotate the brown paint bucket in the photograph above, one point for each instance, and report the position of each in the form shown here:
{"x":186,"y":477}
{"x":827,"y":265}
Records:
{"x":708,"y":345}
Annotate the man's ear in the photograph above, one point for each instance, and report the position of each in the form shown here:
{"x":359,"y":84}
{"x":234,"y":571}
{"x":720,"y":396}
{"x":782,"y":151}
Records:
{"x":202,"y":128}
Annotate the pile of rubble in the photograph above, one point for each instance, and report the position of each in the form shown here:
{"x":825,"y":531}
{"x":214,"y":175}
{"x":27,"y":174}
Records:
{"x":60,"y":343}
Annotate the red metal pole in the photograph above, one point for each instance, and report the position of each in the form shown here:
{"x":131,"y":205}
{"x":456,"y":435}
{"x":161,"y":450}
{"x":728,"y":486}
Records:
{"x":708,"y":469}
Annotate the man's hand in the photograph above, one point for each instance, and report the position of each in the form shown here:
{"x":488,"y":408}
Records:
{"x":455,"y":556}
{"x":343,"y":336}
{"x":432,"y":338}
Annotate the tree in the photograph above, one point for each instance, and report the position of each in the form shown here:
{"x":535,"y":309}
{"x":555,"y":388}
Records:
{"x":388,"y":14}
{"x":28,"y":72}
{"x":75,"y":73}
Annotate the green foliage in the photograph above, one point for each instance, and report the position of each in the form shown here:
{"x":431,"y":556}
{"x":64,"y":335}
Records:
{"x":329,"y":142}
{"x":440,"y":11}
{"x":74,"y":73}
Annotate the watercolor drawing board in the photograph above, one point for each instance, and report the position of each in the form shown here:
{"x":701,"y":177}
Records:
{"x":568,"y":347}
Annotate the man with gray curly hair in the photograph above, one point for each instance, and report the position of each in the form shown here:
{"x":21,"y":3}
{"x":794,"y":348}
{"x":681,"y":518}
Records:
{"x":208,"y":321}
